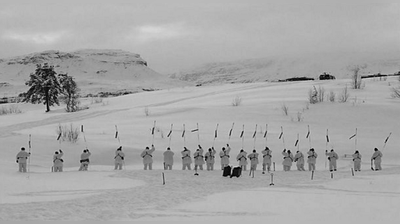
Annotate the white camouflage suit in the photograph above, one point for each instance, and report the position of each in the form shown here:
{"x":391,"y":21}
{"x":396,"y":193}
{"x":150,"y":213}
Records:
{"x":85,"y":160}
{"x":267,"y":161}
{"x":210,"y":158}
{"x":224,"y":155}
{"x":311,"y":159}
{"x":287,"y":160}
{"x":148,"y":157}
{"x":332,"y":157}
{"x":168,"y":159}
{"x":119,"y":159}
{"x":357,"y":161}
{"x":253,"y":160}
{"x":186,"y":159}
{"x":242,"y":158}
{"x":198,"y":158}
{"x":22,"y":157}
{"x":377,"y":157}
{"x":299,"y":159}
{"x":57,"y":161}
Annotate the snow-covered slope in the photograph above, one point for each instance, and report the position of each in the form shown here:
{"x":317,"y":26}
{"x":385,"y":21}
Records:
{"x":94,"y":70}
{"x":102,"y":194}
{"x":279,"y":67}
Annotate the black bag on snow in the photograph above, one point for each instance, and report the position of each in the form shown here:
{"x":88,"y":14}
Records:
{"x":236,"y":172}
{"x":227,"y":171}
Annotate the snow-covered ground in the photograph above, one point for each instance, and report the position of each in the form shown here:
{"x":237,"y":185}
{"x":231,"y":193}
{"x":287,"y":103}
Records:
{"x":134,"y":194}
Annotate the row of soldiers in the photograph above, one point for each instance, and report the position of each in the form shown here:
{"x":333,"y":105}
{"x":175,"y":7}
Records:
{"x":242,"y":158}
{"x":23,"y":156}
{"x":209,"y":159}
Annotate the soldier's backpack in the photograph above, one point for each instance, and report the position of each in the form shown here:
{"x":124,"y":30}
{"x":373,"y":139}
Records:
{"x":227,"y":171}
{"x":236,"y":172}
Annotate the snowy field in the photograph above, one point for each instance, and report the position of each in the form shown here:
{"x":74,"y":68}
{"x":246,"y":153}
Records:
{"x":103,"y":194}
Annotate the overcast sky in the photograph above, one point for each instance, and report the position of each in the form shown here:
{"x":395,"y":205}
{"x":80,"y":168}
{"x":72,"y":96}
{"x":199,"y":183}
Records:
{"x":177,"y":34}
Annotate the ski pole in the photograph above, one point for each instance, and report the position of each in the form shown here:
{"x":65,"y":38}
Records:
{"x":230,"y":132}
{"x":152,"y":132}
{"x":308,"y":135}
{"x":281,"y":136}
{"x":215,"y":134}
{"x":170,"y":136}
{"x":84,"y":136}
{"x":372,"y":167}
{"x":59,"y":140}
{"x":116,"y":134}
{"x":242,"y":136}
{"x":326,"y":147}
{"x":30,"y":147}
{"x":163,"y":178}
{"x":59,"y":146}
{"x":255,"y":137}
{"x":183,"y":136}
{"x":272,"y":180}
{"x":312,"y":175}
{"x":384,"y":145}
{"x":356,"y":141}
{"x":198,"y":134}
{"x":297,"y":142}
{"x":265,"y":135}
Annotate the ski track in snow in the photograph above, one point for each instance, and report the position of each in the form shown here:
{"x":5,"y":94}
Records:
{"x":156,"y":200}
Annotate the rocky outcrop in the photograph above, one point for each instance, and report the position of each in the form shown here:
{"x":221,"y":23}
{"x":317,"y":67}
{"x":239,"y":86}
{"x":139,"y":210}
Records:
{"x":39,"y":58}
{"x":53,"y":57}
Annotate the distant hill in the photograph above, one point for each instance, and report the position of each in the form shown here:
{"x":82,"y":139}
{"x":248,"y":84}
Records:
{"x":277,"y":68}
{"x":94,"y":70}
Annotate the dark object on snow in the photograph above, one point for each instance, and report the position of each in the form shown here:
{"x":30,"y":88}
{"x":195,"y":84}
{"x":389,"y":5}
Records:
{"x":148,"y":89}
{"x":326,"y":76}
{"x":296,"y":79}
{"x":379,"y":75}
{"x":236,"y":172}
{"x":227,"y":171}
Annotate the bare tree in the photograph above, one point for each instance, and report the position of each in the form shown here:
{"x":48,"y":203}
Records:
{"x":321,"y":94}
{"x":396,"y":92}
{"x":344,"y":95}
{"x":331,"y":96}
{"x":356,"y":77}
{"x":316,"y":95}
{"x":237,"y":101}
{"x":285,"y":109}
{"x":312,"y":96}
